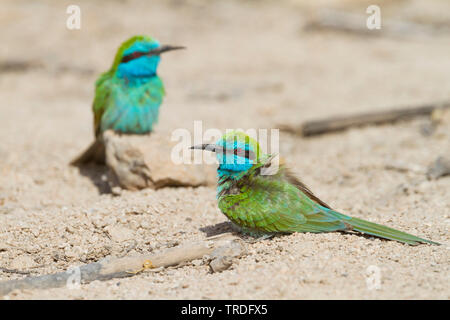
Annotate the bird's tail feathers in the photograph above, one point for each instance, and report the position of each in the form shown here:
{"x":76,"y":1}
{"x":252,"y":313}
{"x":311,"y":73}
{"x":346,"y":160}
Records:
{"x":381,"y":231}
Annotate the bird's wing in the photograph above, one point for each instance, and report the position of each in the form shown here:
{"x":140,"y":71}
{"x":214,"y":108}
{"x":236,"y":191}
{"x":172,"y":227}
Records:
{"x":282,"y":172}
{"x":292,"y":179}
{"x":101,"y":101}
{"x":280,"y":203}
{"x":272,"y":204}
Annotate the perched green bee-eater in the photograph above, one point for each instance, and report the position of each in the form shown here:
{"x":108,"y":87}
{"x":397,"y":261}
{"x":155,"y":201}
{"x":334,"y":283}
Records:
{"x":128,"y":95}
{"x":263,"y":205}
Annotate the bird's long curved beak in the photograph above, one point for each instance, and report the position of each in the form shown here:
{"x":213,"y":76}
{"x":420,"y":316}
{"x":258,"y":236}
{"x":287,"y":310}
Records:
{"x":209,"y":147}
{"x":165,"y":48}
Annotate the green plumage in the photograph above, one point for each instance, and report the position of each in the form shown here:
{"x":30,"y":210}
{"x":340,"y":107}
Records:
{"x":128,"y":95}
{"x":127,"y":100}
{"x":125,"y":108}
{"x":279,"y":203}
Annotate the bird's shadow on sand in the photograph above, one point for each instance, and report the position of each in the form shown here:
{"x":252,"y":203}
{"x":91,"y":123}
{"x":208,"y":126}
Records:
{"x":218,"y":228}
{"x":227,"y":227}
{"x":98,"y":174}
{"x":364,"y":235}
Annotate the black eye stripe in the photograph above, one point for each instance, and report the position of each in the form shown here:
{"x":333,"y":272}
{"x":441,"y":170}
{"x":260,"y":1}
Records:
{"x":243,"y":153}
{"x":133,"y":55}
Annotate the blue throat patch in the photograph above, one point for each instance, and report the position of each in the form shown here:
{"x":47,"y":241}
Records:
{"x":142,"y":67}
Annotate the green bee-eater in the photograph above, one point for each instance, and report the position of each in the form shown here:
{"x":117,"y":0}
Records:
{"x":263,"y":205}
{"x":128,"y":95}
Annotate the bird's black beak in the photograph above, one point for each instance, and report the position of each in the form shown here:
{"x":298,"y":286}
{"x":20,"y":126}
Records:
{"x":209,"y":147}
{"x":165,"y":48}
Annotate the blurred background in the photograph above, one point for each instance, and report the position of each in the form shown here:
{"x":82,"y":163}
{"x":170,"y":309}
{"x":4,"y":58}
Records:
{"x":248,"y":64}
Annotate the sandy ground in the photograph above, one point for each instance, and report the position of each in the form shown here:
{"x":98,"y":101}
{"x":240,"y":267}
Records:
{"x":247,"y":65}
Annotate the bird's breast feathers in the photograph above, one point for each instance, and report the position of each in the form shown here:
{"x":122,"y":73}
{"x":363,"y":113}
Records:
{"x":129,"y":108}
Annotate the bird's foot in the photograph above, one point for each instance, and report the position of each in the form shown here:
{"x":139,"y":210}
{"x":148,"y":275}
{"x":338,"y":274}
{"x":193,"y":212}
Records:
{"x":260,"y":238}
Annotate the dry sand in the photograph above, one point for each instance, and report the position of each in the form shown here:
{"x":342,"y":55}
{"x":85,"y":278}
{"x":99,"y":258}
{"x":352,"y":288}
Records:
{"x":248,"y":65}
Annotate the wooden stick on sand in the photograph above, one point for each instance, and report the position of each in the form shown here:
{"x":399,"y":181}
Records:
{"x":333,"y":124}
{"x":110,"y":268}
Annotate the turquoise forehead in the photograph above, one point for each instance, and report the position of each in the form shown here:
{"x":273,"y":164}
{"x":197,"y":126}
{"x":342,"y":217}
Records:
{"x":142,"y":46}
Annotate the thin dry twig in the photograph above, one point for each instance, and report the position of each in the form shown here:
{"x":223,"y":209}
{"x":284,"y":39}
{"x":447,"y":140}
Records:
{"x":311,"y":128}
{"x":338,"y":20}
{"x":110,"y":268}
{"x":6,"y":270}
